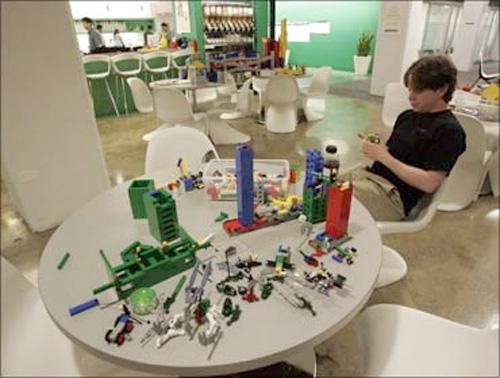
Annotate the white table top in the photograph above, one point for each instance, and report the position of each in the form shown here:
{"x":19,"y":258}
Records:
{"x":184,"y":84}
{"x":267,"y":331}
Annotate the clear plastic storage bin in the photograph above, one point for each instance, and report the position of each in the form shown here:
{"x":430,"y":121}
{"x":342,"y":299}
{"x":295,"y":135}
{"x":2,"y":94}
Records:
{"x":270,"y":178}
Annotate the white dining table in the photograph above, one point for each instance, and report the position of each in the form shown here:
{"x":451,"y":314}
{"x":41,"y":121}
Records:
{"x":267,"y":332}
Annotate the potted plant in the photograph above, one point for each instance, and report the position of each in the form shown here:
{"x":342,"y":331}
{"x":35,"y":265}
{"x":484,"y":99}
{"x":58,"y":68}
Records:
{"x":363,"y":58}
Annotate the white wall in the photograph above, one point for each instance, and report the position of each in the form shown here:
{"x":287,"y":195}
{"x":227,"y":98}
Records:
{"x":52,"y":160}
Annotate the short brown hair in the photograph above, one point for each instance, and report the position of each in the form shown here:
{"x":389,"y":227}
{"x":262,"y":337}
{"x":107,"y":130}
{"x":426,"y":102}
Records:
{"x":432,"y":72}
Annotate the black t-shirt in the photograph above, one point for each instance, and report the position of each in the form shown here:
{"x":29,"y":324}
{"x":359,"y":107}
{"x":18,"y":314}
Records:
{"x":431,"y":141}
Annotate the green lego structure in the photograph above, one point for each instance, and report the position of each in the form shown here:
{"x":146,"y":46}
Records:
{"x":314,"y":206}
{"x":144,"y":266}
{"x":136,"y":191}
{"x":162,"y":215}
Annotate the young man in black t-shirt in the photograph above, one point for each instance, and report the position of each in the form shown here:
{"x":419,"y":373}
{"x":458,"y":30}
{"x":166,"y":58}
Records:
{"x":424,"y":145}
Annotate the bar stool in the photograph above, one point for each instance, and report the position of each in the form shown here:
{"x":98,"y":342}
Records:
{"x":126,"y":72}
{"x":155,"y":57}
{"x":177,"y":57}
{"x":102,"y":74}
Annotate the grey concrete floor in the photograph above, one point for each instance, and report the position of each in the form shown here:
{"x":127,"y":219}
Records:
{"x":452,"y":264}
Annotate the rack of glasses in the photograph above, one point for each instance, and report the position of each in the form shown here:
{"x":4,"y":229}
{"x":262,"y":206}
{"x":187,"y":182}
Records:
{"x":228,"y":23}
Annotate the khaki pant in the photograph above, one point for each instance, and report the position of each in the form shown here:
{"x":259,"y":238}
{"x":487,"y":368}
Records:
{"x":377,"y":194}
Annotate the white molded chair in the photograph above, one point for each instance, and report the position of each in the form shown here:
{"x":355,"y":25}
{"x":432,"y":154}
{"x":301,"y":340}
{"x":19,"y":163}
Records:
{"x":157,"y":55}
{"x":176,"y":58}
{"x":313,"y":98}
{"x":401,"y":341}
{"x":419,"y":217}
{"x":468,"y":174}
{"x":141,"y":95}
{"x":281,"y":95}
{"x":230,"y":88}
{"x":395,"y":102}
{"x":102,"y":75}
{"x":205,"y":98}
{"x":168,"y":145}
{"x":126,"y":73}
{"x":394,"y":267}
{"x":244,"y":104}
{"x":32,"y":345}
{"x":171,"y":107}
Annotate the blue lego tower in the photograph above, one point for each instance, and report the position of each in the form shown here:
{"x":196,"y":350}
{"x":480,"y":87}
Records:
{"x":314,"y":167}
{"x":244,"y":181}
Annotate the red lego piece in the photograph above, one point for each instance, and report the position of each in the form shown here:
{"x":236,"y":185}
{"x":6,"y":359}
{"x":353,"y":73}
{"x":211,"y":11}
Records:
{"x":293,"y":177}
{"x":250,"y":296}
{"x":338,"y":210}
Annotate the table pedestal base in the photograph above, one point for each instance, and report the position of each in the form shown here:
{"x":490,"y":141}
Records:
{"x":304,"y":360}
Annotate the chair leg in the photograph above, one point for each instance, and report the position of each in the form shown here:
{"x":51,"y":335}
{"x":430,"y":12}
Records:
{"x":393,"y":268}
{"x":305,"y":361}
{"x":111,"y":97}
{"x":124,"y":95}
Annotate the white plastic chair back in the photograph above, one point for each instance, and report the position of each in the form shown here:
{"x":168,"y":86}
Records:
{"x":140,"y":93}
{"x":96,"y":58}
{"x":395,"y":102}
{"x":281,"y":95}
{"x":420,"y":216}
{"x":244,"y":103}
{"x":171,"y":144}
{"x":156,"y":55}
{"x":171,"y":106}
{"x":130,"y":56}
{"x":281,"y":90}
{"x":401,"y":341}
{"x":320,"y":83}
{"x":467,"y":176}
{"x":230,"y":85}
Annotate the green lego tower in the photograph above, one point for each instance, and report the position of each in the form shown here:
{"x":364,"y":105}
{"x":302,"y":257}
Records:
{"x":136,"y":190}
{"x":314,"y":206}
{"x":161,"y":212}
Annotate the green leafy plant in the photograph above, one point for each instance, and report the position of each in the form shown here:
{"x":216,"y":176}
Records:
{"x":364,"y":44}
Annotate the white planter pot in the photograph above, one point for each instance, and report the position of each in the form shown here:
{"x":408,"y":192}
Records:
{"x":361,"y":64}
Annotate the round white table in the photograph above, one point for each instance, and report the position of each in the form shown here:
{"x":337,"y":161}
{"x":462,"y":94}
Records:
{"x":267,"y":332}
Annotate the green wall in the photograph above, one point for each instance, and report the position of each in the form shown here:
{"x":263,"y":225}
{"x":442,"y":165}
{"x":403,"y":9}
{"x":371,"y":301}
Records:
{"x":347,"y":20}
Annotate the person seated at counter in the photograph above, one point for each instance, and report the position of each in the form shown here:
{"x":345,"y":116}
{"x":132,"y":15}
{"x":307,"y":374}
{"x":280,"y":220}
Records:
{"x":117,"y":39}
{"x":95,"y":40}
{"x":425,"y":144}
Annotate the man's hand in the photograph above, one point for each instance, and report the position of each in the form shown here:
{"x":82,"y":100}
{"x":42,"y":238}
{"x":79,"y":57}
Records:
{"x":374,"y":151}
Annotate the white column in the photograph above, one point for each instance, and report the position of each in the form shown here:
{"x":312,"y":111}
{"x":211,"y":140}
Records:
{"x":468,"y":34}
{"x":52,"y":161}
{"x":396,"y":50}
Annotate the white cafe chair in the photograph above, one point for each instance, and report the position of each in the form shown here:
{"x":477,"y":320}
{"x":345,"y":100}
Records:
{"x":468,"y":174}
{"x":395,"y":102}
{"x":180,"y":60}
{"x":244,"y":104}
{"x":171,"y":107}
{"x":143,"y":100}
{"x":229,"y":89}
{"x":170,"y":144}
{"x":313,"y":98}
{"x":281,"y":95}
{"x":32,"y":345}
{"x":401,"y":341}
{"x":394,"y":267}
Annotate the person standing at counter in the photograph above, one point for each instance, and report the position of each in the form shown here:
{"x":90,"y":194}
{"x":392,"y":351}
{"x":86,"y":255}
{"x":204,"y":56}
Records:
{"x":95,"y":41}
{"x":99,"y":30}
{"x":117,"y":39}
{"x":165,"y":31}
{"x":148,"y":32}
